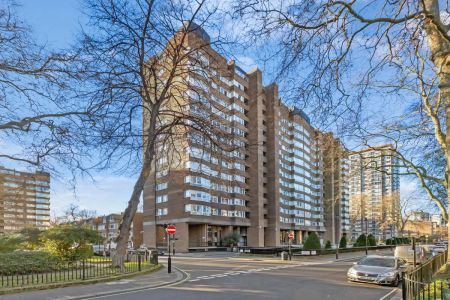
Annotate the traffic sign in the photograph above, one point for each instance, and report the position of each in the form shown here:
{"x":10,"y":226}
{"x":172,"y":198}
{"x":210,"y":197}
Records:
{"x":291,"y":235}
{"x":171,"y":229}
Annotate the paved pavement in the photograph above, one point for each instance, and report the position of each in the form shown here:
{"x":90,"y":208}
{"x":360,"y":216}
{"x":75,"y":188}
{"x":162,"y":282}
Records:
{"x":147,"y":281}
{"x":230,"y":276}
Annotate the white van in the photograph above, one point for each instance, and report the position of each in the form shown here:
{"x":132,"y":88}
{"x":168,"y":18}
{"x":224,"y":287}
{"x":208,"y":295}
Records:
{"x":407,"y":253}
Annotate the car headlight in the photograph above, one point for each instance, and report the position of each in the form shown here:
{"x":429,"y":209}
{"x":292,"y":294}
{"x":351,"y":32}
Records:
{"x":388,"y":274}
{"x":351,"y":272}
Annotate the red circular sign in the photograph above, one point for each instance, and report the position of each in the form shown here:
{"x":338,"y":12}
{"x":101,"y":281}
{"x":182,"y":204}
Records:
{"x":291,"y":235}
{"x":171,"y":229}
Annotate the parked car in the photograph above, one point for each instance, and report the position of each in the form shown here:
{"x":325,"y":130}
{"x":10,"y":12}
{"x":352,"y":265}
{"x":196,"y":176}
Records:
{"x":407,"y":253}
{"x":440,"y":247}
{"x":100,"y":250}
{"x":144,"y":248}
{"x":378,"y":269}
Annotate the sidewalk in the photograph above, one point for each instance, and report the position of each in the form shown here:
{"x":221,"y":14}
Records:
{"x":78,"y":292}
{"x":317,"y":258}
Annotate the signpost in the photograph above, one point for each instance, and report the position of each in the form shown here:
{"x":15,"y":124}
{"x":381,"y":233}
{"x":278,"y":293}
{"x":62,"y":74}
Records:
{"x":291,"y":237}
{"x":170,"y":229}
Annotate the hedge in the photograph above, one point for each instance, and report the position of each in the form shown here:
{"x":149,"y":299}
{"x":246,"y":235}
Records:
{"x":25,"y":262}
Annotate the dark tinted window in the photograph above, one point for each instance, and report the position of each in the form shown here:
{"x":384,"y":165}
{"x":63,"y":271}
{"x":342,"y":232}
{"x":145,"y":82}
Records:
{"x":378,"y":262}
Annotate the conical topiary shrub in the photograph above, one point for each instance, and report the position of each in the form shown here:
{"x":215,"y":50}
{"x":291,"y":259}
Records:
{"x":312,"y":242}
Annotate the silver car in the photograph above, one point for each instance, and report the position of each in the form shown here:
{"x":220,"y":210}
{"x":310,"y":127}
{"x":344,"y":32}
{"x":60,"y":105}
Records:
{"x":378,"y":269}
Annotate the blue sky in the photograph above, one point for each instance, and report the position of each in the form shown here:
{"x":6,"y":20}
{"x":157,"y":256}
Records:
{"x":55,"y":23}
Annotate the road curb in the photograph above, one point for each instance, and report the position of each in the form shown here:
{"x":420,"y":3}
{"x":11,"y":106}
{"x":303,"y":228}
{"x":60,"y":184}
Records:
{"x":56,"y":285}
{"x":184,"y":274}
{"x":347,"y":259}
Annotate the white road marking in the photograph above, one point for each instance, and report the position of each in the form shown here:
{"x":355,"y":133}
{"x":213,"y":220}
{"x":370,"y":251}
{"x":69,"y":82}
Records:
{"x":123,"y":281}
{"x":389,"y":294}
{"x":234,"y":273}
{"x":243,"y":272}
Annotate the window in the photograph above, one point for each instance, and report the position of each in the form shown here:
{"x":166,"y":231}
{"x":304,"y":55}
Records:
{"x":161,"y":198}
{"x":161,"y":186}
{"x":161,"y":211}
{"x":195,"y":209}
{"x":160,"y":174}
{"x":197,"y":195}
{"x":197,"y":181}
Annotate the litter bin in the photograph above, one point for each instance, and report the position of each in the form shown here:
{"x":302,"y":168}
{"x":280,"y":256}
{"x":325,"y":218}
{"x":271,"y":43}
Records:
{"x":284,"y":255}
{"x":154,"y":257}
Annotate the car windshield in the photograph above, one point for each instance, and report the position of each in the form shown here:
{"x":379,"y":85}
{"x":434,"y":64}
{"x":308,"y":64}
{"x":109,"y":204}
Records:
{"x":378,"y":262}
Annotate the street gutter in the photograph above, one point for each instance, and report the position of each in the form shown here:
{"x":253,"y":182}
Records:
{"x":76,"y":282}
{"x":185,"y":276}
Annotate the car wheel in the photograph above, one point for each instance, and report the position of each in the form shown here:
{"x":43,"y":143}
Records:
{"x":396,"y":281}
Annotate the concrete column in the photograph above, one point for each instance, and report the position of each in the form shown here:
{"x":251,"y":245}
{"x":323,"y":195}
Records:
{"x":227,"y":230}
{"x":149,"y":236}
{"x":298,"y":236}
{"x":272,"y":238}
{"x":182,"y":235}
{"x":255,"y":236}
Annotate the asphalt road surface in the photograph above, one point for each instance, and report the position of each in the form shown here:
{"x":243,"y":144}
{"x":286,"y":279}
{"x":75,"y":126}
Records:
{"x":224,"y":277}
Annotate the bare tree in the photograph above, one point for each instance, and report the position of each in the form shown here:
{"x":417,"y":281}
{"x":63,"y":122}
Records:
{"x":406,"y":212}
{"x":374,"y":70}
{"x":39,"y":115}
{"x":73,"y":213}
{"x":150,"y":65}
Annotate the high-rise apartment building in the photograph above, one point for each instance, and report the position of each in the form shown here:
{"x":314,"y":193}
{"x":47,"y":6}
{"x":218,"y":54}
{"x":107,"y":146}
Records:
{"x":374,"y":192}
{"x":336,"y":190}
{"x":271,"y":183}
{"x":24,"y":200}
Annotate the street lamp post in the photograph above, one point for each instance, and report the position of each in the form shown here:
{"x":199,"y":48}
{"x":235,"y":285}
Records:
{"x":169,"y":259}
{"x":290,"y":250}
{"x":367,"y":225}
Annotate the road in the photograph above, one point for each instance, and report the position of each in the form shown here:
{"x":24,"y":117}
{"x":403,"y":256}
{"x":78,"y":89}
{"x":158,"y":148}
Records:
{"x":219,"y":276}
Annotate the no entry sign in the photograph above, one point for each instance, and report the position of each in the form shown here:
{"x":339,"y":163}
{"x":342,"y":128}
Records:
{"x":171,"y":229}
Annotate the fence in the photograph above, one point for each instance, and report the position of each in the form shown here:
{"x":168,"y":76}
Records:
{"x":418,"y":284}
{"x":299,"y":251}
{"x":15,"y":274}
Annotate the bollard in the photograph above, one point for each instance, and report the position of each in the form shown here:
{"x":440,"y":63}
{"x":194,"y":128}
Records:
{"x":154,"y":257}
{"x":403,"y":287}
{"x":84,"y":275}
{"x":139,"y":262}
{"x":169,"y":264}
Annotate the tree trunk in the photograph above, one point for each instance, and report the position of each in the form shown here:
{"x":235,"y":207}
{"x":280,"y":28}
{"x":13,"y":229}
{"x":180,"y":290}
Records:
{"x":124,"y":229}
{"x":125,"y":226}
{"x":440,"y":55}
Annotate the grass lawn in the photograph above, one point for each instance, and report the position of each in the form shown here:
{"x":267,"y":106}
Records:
{"x":92,"y":270}
{"x":441,"y":283}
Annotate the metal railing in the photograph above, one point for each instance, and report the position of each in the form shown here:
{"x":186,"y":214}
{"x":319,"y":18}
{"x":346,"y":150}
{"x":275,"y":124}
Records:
{"x":299,"y":251}
{"x":419,"y":284}
{"x":14,"y":274}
